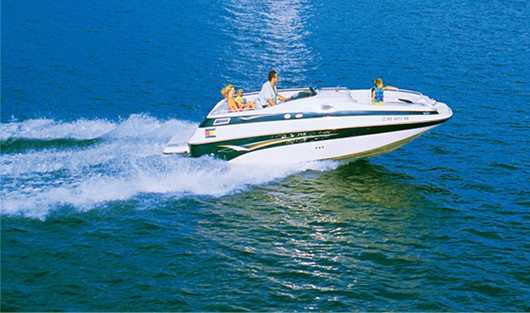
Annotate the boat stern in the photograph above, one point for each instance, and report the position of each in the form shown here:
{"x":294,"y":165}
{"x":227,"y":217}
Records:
{"x":176,"y":149}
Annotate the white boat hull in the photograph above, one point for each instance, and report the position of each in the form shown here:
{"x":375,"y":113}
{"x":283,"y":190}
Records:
{"x":351,"y":147}
{"x":334,"y":124}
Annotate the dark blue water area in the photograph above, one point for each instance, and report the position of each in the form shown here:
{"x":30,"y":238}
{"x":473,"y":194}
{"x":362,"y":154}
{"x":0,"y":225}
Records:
{"x":95,"y":218}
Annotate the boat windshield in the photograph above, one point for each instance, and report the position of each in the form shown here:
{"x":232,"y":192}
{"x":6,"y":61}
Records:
{"x":294,"y":94}
{"x":309,"y":92}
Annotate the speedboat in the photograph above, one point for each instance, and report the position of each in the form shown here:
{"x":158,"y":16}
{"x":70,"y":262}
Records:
{"x":321,"y":124}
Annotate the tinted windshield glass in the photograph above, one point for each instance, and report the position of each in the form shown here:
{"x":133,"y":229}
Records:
{"x":309,"y":92}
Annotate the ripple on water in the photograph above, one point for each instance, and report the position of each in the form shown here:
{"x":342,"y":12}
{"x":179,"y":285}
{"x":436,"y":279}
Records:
{"x":94,"y":218}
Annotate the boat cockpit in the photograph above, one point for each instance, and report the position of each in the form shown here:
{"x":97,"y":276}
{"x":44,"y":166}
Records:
{"x":294,"y":94}
{"x":329,"y":98}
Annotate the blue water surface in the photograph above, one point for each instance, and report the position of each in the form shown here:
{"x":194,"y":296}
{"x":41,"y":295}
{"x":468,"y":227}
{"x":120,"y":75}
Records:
{"x":95,"y":218}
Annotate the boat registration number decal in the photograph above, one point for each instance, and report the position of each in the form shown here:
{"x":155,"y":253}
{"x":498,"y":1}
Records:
{"x":395,"y":118}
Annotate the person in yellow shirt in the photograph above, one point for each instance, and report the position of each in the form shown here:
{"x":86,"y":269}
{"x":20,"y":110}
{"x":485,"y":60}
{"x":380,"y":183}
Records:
{"x":243,"y":103}
{"x":228,"y":93}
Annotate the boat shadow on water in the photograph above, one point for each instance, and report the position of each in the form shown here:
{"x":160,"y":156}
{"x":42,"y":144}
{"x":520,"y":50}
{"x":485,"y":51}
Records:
{"x":356,"y":191}
{"x":359,"y":183}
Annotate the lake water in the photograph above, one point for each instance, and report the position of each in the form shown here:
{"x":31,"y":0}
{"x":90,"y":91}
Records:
{"x":95,"y":218}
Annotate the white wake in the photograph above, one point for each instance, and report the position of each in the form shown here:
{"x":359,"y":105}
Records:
{"x":126,"y":161}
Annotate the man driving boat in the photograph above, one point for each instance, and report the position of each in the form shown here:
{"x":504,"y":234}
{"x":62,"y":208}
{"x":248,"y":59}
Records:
{"x":268,"y":96}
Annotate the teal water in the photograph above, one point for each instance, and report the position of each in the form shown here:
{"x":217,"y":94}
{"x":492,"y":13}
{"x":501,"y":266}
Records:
{"x":95,"y":218}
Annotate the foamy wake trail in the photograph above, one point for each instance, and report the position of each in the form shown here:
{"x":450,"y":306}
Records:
{"x":127,"y":162}
{"x":50,"y":129}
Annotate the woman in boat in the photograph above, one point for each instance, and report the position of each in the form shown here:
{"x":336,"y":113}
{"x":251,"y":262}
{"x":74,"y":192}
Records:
{"x":233,"y":106}
{"x":228,"y":93}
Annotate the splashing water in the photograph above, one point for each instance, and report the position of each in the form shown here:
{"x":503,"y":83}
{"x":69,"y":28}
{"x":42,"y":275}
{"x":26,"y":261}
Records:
{"x":83,"y":164}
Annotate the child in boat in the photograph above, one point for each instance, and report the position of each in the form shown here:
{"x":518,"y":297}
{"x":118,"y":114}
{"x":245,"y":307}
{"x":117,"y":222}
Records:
{"x":378,"y":91}
{"x":243,"y":103}
{"x":239,"y":97}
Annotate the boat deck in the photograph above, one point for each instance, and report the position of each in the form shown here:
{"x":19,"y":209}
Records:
{"x":331,"y":99}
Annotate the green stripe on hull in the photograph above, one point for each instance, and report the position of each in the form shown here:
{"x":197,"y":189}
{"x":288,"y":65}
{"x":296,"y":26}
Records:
{"x":230,"y":149}
{"x":233,"y":120}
